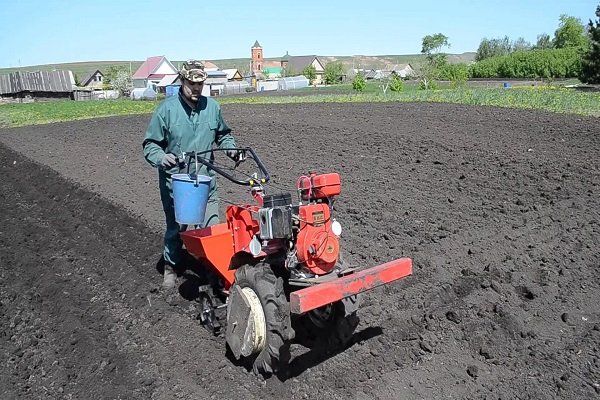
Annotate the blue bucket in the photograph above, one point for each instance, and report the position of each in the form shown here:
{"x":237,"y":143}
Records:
{"x":506,"y":85}
{"x":190,"y":197}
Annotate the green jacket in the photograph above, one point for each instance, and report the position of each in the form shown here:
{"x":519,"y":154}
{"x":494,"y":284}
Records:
{"x":176,"y":127}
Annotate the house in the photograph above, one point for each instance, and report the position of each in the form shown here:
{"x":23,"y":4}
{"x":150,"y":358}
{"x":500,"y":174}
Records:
{"x":25,"y":87}
{"x":93,"y":79}
{"x":296,"y":64}
{"x":288,"y":65}
{"x":152,"y":71}
{"x":215,"y":82}
{"x":233,"y":74}
{"x":166,"y":81}
{"x":208,"y":66}
{"x":402,"y":70}
{"x":377,"y":74}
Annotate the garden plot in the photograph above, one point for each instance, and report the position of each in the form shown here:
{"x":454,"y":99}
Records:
{"x":499,"y":210}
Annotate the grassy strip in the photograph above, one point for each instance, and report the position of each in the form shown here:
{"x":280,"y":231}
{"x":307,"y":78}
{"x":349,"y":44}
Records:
{"x":557,"y":100}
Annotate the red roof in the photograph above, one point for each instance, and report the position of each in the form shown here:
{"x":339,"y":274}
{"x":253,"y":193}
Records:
{"x":146,"y":69}
{"x":157,"y":76}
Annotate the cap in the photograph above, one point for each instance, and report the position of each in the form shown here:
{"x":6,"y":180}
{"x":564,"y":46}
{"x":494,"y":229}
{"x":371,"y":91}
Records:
{"x":193,"y":70}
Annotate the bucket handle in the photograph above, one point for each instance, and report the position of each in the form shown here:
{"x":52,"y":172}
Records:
{"x":197,"y":171}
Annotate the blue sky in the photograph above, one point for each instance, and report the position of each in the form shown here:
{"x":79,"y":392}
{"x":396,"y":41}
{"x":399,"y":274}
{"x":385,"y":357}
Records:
{"x":34,"y":32}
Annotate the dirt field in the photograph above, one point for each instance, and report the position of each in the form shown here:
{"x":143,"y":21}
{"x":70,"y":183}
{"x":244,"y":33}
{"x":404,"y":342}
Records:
{"x":499,"y":210}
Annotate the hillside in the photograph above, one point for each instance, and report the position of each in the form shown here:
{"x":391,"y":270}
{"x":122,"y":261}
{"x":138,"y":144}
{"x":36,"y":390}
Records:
{"x":243,"y":64}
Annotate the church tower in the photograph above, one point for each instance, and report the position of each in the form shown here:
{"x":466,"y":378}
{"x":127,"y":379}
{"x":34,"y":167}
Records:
{"x":257,"y":58}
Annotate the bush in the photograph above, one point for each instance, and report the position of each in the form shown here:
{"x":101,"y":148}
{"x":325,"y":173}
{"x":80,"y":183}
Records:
{"x":457,"y":74}
{"x":546,"y":63}
{"x":396,"y":85}
{"x":425,"y":84}
{"x":359,"y":84}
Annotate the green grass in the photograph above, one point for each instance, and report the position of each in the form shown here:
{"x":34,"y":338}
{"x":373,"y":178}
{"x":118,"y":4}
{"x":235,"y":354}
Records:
{"x":12,"y":115}
{"x":553,"y":99}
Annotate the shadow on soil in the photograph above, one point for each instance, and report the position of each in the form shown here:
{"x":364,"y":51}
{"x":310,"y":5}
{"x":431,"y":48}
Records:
{"x":322,"y":351}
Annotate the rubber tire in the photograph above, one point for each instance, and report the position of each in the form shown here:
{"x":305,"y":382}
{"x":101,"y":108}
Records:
{"x":269,"y":289}
{"x":338,"y":331}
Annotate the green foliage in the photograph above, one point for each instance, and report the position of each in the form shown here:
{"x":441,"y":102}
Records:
{"x":122,"y":82}
{"x":590,"y":63}
{"x":333,"y":72}
{"x":570,"y":33}
{"x":359,"y":83}
{"x":432,"y":48}
{"x":489,"y":48}
{"x":543,"y":42}
{"x":521,"y":45}
{"x":426,"y":84}
{"x":76,"y":79}
{"x":112,"y":71}
{"x":396,"y":85}
{"x":288,"y":71}
{"x":310,"y":73}
{"x":457,"y":74}
{"x":436,"y":60}
{"x":550,"y":63}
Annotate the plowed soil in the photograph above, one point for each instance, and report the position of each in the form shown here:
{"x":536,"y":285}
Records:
{"x":499,"y":210}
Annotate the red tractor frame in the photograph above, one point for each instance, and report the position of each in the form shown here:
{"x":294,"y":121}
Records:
{"x":279,"y":261}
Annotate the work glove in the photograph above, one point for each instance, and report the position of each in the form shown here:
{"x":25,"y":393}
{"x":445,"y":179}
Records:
{"x":236,"y":155}
{"x":168,"y":161}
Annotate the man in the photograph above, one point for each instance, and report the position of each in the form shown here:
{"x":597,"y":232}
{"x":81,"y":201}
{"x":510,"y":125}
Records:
{"x":186,"y":122}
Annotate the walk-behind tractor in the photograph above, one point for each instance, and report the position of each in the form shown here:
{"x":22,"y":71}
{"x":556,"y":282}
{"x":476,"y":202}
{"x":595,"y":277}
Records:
{"x":278,"y":261}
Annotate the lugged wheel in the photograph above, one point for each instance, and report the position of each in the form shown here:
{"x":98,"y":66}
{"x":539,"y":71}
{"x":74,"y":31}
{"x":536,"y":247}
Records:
{"x":334,"y":322}
{"x":259,"y":327}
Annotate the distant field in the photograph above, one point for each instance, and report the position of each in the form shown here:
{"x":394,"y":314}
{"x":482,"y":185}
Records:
{"x":365,"y":62}
{"x":543,"y":97}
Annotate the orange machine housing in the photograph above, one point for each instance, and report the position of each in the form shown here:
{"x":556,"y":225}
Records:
{"x":320,"y":186}
{"x":216,"y":245}
{"x":317,"y":246}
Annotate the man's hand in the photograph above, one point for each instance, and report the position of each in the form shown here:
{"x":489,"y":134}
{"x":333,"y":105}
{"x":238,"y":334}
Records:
{"x":168,"y":161}
{"x":236,"y":155}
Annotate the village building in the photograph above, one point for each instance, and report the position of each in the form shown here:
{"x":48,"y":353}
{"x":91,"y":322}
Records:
{"x":93,"y":79}
{"x":285,"y":66}
{"x":25,"y":87}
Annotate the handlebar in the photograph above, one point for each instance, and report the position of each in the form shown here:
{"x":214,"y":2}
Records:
{"x":197,"y":157}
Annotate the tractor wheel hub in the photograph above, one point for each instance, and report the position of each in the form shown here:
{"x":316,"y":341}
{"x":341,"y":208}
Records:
{"x":246,"y":326}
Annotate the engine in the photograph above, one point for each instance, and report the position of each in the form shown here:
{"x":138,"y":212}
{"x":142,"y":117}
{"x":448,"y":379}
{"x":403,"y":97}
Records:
{"x":308,"y":229}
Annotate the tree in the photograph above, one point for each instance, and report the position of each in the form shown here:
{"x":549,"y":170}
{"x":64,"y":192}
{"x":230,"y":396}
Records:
{"x":489,"y":48}
{"x":333,"y":72}
{"x":543,"y":42}
{"x":521,"y":45}
{"x":112,"y":71}
{"x":432,"y":48}
{"x":122,"y":82}
{"x":590,"y":63}
{"x":570,"y":33}
{"x":310,"y":73}
{"x":288,"y":71}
